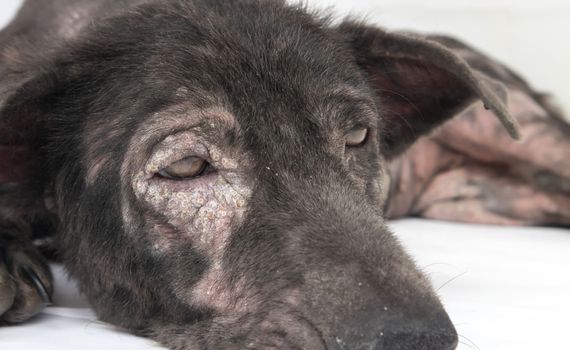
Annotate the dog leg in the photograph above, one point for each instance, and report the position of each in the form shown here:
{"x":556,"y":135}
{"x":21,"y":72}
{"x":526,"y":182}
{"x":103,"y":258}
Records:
{"x":485,"y":194}
{"x":25,"y":279}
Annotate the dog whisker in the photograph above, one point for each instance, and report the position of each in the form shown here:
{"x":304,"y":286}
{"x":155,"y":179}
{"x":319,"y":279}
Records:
{"x":468,"y":342}
{"x":451,"y":280}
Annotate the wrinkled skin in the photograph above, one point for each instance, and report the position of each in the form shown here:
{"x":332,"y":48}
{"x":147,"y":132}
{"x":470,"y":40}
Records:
{"x":488,"y":180}
{"x":281,"y":242}
{"x":470,"y":171}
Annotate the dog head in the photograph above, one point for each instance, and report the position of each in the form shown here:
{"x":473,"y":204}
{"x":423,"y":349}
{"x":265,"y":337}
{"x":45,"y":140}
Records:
{"x":218,"y":171}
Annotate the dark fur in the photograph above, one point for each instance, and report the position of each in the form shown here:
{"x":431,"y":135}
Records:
{"x":314,"y":230}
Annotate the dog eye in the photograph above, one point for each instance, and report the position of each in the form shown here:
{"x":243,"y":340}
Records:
{"x":186,"y":168}
{"x":356,"y":137}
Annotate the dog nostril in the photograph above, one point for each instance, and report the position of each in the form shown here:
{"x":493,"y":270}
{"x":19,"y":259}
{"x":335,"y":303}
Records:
{"x":374,"y":331}
{"x":374,"y":316}
{"x":416,"y":339}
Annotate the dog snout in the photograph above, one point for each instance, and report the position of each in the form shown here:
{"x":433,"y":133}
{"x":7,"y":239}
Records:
{"x":356,"y":313}
{"x":371,"y":331}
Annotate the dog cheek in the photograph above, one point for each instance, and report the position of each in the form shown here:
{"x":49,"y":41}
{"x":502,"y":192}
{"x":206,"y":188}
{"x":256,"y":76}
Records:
{"x":203,"y":215}
{"x":204,"y":212}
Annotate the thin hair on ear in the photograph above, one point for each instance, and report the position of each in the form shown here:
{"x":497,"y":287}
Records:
{"x":420,"y":83}
{"x":488,"y":90}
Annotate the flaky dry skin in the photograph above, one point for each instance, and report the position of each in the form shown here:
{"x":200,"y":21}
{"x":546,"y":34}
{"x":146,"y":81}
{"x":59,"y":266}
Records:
{"x":471,"y":171}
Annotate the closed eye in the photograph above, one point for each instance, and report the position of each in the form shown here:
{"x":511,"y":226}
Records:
{"x":356,"y":137}
{"x":185,"y":169}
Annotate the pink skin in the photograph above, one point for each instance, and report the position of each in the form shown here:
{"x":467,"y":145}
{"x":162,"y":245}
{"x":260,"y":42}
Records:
{"x":201,"y":211}
{"x":471,"y":171}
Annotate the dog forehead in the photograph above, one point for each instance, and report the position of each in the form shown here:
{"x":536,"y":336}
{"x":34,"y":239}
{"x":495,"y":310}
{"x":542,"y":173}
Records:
{"x":251,"y":49}
{"x":276,"y":73}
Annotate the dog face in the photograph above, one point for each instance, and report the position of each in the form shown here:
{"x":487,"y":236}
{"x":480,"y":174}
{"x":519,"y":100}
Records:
{"x":217,"y":171}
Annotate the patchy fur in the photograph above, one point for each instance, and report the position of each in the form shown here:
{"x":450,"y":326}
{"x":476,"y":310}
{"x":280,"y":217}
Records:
{"x":281,"y":243}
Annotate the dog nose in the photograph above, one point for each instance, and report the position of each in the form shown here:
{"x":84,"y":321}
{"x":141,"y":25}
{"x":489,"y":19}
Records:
{"x":374,"y":330}
{"x":353,"y":314}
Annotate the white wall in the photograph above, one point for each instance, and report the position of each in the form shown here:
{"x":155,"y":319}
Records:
{"x":7,"y":9}
{"x":529,"y":35}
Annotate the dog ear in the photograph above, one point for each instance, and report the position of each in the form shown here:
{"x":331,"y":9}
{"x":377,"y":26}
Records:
{"x":24,"y":103}
{"x":419,"y":83}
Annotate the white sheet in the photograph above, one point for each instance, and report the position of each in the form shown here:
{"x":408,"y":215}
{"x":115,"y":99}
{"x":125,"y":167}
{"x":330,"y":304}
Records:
{"x":504,"y":288}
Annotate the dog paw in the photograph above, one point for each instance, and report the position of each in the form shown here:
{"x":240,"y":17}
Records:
{"x":26,"y":283}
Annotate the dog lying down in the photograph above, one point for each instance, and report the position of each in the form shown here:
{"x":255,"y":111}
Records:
{"x":218,"y":174}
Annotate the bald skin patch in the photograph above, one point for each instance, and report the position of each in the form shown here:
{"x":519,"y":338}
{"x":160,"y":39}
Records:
{"x":203,"y":210}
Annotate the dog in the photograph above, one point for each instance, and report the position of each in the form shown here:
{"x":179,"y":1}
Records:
{"x":217,"y":174}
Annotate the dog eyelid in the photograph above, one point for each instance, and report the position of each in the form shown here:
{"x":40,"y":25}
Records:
{"x":185,"y":169}
{"x":356,"y":137}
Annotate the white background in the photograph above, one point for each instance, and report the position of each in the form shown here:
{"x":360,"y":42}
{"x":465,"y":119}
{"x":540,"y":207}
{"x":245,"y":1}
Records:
{"x":530,"y":35}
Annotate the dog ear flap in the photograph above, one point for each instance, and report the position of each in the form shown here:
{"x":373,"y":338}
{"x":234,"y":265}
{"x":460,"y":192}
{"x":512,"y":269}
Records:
{"x":420,"y":84}
{"x":22,"y":115}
